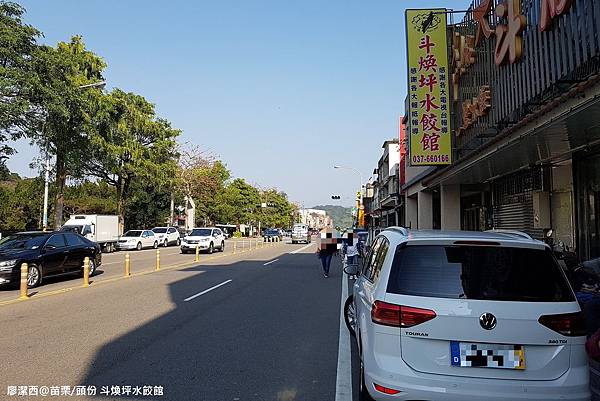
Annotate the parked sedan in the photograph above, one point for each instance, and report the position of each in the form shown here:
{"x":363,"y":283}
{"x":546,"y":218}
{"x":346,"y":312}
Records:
{"x":138,"y":239}
{"x":167,"y":236}
{"x":47,"y":254}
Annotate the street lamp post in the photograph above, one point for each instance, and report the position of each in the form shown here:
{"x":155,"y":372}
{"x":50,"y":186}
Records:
{"x":101,"y":85}
{"x":355,"y":170}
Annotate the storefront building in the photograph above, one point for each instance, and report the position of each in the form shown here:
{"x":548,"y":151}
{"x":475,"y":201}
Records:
{"x":524,"y":102}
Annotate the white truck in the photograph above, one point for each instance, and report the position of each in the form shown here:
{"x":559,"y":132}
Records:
{"x":103,"y":230}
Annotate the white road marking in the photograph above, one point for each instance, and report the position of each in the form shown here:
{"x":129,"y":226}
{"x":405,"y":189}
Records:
{"x":301,"y":249}
{"x":205,"y":291}
{"x":273,"y":261}
{"x":343,"y":381}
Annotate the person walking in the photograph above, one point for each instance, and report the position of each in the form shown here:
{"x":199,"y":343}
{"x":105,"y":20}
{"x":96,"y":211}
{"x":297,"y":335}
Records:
{"x":327,"y":247}
{"x":351,"y":250}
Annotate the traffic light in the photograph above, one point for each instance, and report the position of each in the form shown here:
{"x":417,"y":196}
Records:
{"x":335,"y":197}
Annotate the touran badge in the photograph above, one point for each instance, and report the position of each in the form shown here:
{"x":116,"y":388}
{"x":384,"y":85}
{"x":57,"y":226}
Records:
{"x":487,"y":321}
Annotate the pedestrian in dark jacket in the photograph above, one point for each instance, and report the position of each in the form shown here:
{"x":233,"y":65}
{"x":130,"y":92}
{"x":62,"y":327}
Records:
{"x":327,"y":246}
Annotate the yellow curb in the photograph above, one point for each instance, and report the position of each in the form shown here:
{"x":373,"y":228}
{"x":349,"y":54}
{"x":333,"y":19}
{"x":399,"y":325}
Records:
{"x":113,"y":279}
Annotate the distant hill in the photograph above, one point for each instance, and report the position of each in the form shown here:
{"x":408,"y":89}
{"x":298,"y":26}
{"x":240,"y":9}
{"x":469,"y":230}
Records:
{"x":341,"y":216}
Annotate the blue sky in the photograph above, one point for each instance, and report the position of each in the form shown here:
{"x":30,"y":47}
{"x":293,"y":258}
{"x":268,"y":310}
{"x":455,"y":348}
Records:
{"x":279,"y":90}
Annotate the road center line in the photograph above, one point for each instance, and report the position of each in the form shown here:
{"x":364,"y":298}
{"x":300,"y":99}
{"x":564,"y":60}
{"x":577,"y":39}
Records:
{"x":343,"y":380}
{"x":205,"y":291}
{"x":301,"y":249}
{"x":273,"y":261}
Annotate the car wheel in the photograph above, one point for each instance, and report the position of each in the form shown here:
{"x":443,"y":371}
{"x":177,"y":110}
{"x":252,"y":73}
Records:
{"x":34,"y":276}
{"x":92,"y":267}
{"x":363,"y":394}
{"x":183,"y":251}
{"x":139,"y":246}
{"x":166,"y":244}
{"x":293,"y":242}
{"x":210,"y":248}
{"x":155,"y":244}
{"x":350,"y":315}
{"x":222,"y":246}
{"x":178,"y":241}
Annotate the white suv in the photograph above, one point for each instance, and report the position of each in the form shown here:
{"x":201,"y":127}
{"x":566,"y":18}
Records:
{"x":206,"y":239}
{"x":167,"y":236}
{"x":466,"y":316}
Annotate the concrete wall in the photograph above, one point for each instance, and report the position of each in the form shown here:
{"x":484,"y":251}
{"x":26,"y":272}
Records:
{"x":425,"y":212}
{"x":411,"y":217}
{"x":561,"y":204}
{"x":450,"y":205}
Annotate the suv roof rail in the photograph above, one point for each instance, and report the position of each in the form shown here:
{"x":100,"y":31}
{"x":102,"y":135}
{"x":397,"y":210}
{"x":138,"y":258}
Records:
{"x":515,"y":233}
{"x":399,"y":230}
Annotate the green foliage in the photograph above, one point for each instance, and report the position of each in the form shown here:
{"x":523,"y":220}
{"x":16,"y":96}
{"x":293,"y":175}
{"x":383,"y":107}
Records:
{"x":21,"y":204}
{"x":341,"y":216}
{"x":17,"y":47}
{"x":147,"y":206}
{"x":90,"y":198}
{"x":237,"y":234}
{"x":131,"y":146}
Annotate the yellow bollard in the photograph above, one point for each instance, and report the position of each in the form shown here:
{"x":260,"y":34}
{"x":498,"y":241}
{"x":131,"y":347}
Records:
{"x":24,"y":272}
{"x":86,"y":272}
{"x":234,"y":247}
{"x":157,"y":259}
{"x":197,"y":259}
{"x":127,"y":265}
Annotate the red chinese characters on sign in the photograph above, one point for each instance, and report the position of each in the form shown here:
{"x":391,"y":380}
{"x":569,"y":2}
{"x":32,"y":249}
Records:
{"x":431,"y":142}
{"x":551,"y":9}
{"x":426,"y":43}
{"x":480,"y":14}
{"x":430,"y":81}
{"x":428,"y":63}
{"x":429,"y":122}
{"x":509,"y":41}
{"x":428,"y":104}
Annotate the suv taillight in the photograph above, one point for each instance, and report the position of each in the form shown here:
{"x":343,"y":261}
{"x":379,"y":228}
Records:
{"x":567,"y":324}
{"x":399,"y":315}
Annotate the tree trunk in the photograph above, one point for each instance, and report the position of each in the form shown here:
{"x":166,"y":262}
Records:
{"x":61,"y":178}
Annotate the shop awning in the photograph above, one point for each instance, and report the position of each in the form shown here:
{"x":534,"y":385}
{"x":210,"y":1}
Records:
{"x":552,"y":142}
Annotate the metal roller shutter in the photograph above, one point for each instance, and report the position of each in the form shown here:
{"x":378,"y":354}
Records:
{"x":513,"y":201}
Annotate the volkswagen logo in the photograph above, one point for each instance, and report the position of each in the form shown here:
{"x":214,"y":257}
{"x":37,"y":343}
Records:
{"x":487,"y":321}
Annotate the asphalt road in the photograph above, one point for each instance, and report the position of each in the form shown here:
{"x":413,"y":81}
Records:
{"x":261,"y":325}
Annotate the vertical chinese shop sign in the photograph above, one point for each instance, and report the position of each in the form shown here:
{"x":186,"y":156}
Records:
{"x":430,"y":134}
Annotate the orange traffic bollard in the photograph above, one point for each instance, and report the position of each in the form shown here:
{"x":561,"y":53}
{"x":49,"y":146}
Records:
{"x":127,"y":265}
{"x":86,"y":272}
{"x":197,"y":259}
{"x":24,"y":273}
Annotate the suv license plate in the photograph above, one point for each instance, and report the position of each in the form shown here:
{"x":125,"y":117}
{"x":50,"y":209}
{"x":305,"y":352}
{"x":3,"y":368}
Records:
{"x":483,"y":355}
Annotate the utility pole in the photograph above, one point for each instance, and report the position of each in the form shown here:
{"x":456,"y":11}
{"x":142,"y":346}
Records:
{"x":46,"y":178}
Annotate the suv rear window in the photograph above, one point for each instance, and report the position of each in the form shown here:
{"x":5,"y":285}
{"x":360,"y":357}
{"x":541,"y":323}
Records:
{"x":478,"y":272}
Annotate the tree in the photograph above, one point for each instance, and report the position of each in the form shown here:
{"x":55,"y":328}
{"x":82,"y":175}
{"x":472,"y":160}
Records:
{"x":128,"y":143}
{"x":238,"y":203}
{"x":66,"y":107}
{"x":90,"y":198}
{"x":20,"y":205}
{"x":17,"y":48}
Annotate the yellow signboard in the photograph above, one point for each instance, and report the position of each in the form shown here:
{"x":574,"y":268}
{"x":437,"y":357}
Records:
{"x":429,"y":99}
